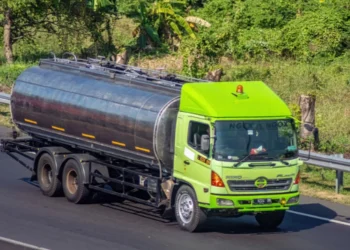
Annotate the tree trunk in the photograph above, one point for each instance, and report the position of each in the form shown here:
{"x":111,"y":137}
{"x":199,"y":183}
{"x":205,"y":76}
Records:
{"x":307,"y":108}
{"x":122,"y":58}
{"x":214,"y":75}
{"x":7,"y":37}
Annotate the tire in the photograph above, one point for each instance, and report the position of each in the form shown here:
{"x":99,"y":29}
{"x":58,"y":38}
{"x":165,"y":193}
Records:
{"x":270,"y":220}
{"x":188,"y":214}
{"x":49,"y":183}
{"x":73,"y":187}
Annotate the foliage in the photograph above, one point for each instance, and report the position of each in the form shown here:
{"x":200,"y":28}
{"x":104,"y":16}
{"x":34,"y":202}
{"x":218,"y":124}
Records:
{"x":9,"y":72}
{"x":159,"y":21}
{"x":257,"y":29}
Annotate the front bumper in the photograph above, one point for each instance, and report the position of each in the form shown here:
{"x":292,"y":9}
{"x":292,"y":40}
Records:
{"x":248,"y":203}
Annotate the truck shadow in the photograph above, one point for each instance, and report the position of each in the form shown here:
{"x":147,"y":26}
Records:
{"x":243,"y":225}
{"x":292,"y":222}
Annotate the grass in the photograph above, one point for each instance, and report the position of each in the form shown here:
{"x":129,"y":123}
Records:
{"x":9,"y":73}
{"x":320,"y":183}
{"x":5,"y":116}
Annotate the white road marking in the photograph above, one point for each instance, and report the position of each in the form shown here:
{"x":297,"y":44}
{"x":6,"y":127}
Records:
{"x":18,"y":243}
{"x":320,"y":218}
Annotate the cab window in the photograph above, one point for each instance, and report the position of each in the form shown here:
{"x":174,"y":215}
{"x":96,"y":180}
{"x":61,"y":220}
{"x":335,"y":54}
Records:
{"x":196,"y":131}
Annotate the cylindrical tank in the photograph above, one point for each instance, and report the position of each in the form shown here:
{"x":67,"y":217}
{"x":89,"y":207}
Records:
{"x":130,"y":119}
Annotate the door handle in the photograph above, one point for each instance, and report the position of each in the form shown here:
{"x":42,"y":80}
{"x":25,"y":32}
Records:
{"x":187,"y":162}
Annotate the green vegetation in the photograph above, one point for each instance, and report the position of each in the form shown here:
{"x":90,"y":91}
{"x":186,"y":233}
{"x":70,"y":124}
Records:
{"x":319,"y":182}
{"x":5,"y":116}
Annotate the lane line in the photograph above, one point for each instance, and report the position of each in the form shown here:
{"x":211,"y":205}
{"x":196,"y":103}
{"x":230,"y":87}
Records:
{"x":18,"y":243}
{"x":320,"y":218}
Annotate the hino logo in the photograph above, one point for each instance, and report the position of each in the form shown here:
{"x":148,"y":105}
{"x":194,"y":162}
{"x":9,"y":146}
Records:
{"x":236,"y":177}
{"x":260,"y":182}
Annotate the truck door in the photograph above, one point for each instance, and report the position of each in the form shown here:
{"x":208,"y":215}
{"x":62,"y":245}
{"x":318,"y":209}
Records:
{"x":191,"y":162}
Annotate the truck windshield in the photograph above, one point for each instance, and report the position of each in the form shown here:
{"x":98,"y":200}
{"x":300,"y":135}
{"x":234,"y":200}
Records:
{"x":266,"y":140}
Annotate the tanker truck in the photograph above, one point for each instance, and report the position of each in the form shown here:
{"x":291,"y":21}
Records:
{"x":188,"y":147}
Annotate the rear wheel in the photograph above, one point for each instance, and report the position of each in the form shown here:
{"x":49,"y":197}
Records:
{"x":73,"y":186}
{"x":49,"y":184}
{"x":270,"y":220}
{"x":188,"y":214}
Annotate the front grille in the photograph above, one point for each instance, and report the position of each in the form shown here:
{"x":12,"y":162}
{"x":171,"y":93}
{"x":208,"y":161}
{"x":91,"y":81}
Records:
{"x":249,"y":185}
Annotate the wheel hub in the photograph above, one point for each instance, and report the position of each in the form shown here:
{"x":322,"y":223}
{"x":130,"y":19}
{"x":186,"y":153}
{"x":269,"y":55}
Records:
{"x":72,"y":181}
{"x":46,"y":175}
{"x":186,"y":208}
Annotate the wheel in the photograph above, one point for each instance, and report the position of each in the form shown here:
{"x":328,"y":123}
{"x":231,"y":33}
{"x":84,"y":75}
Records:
{"x":49,"y":183}
{"x":74,"y":188}
{"x":270,"y":220}
{"x":187,"y":212}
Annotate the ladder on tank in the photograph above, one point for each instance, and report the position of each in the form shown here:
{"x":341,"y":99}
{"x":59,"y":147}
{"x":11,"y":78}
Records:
{"x":102,"y":67}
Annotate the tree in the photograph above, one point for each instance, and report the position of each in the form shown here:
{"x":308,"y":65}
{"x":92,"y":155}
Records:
{"x":162,"y":20}
{"x":22,"y":19}
{"x":7,"y":8}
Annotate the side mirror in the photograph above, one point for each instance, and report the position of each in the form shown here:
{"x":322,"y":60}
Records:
{"x":205,"y":142}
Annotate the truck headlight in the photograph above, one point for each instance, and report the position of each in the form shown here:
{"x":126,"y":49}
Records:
{"x":224,"y":202}
{"x":294,"y":199}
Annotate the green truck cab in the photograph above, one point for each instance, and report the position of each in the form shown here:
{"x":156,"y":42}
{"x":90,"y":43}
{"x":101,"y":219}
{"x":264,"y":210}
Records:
{"x":236,"y":152}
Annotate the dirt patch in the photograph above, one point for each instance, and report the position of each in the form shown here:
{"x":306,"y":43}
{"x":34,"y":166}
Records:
{"x":5,"y":89}
{"x":347,"y":155}
{"x":166,"y":63}
{"x":308,"y":190}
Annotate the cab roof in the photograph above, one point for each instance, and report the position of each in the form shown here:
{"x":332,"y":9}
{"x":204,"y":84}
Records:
{"x":220,"y":100}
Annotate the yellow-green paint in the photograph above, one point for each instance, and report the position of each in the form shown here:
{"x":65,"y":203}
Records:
{"x":217,"y":100}
{"x":211,"y":102}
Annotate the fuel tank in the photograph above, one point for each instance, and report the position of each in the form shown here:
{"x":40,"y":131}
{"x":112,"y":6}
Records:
{"x":114,"y":115}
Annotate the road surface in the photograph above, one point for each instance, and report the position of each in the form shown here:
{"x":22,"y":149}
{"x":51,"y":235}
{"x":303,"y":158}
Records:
{"x":54,"y":223}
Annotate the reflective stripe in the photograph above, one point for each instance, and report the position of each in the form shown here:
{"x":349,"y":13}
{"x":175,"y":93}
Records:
{"x":30,"y":121}
{"x":58,"y":128}
{"x":143,"y":149}
{"x":88,"y":136}
{"x":118,"y":143}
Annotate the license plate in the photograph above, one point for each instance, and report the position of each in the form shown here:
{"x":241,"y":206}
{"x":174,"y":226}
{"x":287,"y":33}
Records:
{"x":261,"y":201}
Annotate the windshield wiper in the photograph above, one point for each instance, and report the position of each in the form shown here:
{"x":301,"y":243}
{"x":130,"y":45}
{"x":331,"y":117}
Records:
{"x":264,"y":157}
{"x":242,"y":160}
{"x":246,"y":157}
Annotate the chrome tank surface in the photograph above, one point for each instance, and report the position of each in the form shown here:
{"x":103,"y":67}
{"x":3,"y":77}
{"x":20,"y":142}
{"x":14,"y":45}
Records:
{"x":120,"y":117}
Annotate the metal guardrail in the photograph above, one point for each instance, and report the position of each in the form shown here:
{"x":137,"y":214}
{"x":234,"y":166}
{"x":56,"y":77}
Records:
{"x":336,"y":163}
{"x":325,"y":161}
{"x":5,"y":98}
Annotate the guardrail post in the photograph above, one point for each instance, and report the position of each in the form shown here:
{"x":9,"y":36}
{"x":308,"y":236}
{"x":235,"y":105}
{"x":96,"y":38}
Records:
{"x":339,"y":176}
{"x":338,"y":181}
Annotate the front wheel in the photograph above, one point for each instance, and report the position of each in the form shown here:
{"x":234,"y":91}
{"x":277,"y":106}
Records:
{"x":188,"y":214}
{"x":270,"y":220}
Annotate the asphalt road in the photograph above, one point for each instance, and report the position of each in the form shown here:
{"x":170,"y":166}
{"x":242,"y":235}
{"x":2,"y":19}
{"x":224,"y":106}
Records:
{"x":54,"y":223}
